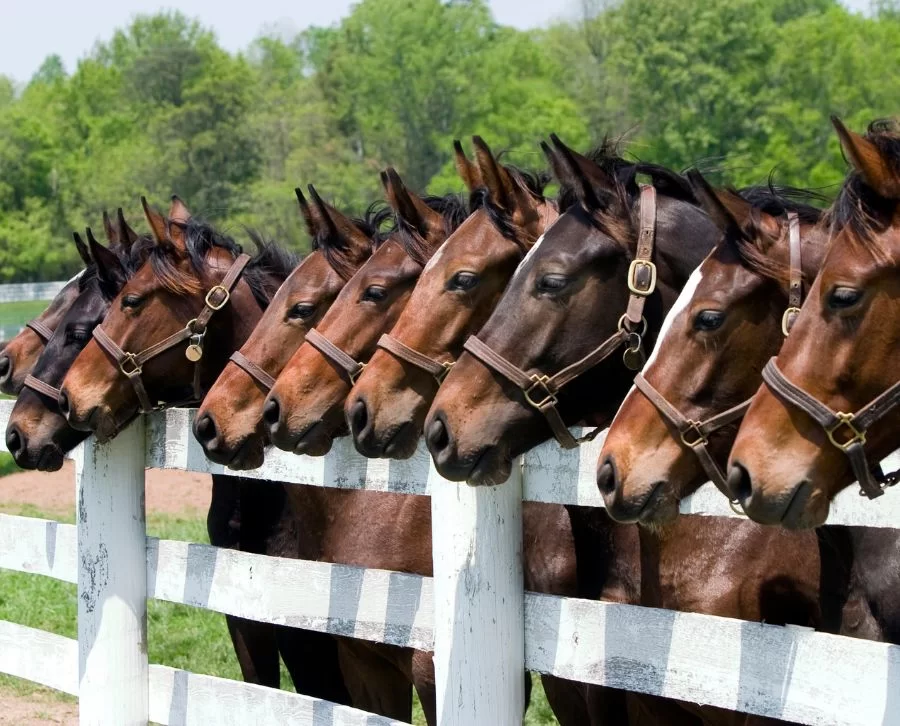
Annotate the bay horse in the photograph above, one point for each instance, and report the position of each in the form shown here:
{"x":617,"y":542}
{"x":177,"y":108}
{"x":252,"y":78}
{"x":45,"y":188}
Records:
{"x":728,"y":321}
{"x":807,"y":433}
{"x":38,"y":435}
{"x":559,"y":313}
{"x":20,"y":354}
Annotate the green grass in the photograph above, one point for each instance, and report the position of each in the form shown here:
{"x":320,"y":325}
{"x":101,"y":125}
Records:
{"x":21,"y":312}
{"x":179,"y":636}
{"x":7,"y":463}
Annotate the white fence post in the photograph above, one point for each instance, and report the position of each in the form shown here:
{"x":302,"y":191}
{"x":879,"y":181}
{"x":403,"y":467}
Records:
{"x":479,"y":628}
{"x":112,"y":581}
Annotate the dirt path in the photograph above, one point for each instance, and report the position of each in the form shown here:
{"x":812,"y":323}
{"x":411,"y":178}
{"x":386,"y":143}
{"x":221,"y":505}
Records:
{"x":168,"y":492}
{"x":36,"y":709}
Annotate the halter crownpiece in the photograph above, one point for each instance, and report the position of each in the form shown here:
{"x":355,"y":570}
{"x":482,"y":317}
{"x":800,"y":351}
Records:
{"x":695,"y":434}
{"x":540,"y":390}
{"x":131,"y":364}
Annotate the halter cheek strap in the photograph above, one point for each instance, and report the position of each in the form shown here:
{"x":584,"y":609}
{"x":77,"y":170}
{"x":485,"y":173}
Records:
{"x":131,"y":364}
{"x":352,"y":367}
{"x":846,"y":431}
{"x":41,"y":330}
{"x":402,"y":351}
{"x":540,"y":390}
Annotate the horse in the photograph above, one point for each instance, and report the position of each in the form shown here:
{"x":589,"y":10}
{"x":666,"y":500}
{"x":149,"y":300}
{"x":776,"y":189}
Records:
{"x":19,"y":355}
{"x":827,"y":406}
{"x":38,"y":435}
{"x":674,"y":430}
{"x":620,"y":249}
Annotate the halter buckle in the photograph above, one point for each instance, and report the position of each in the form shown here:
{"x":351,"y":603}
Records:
{"x":694,"y":428}
{"x":542,"y":382}
{"x":217,"y":306}
{"x":787,"y":320}
{"x":845,"y":419}
{"x":353,"y":375}
{"x":447,"y":365}
{"x":130,"y":359}
{"x":637,"y":286}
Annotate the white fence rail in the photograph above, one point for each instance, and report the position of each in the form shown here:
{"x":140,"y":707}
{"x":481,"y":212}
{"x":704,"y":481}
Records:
{"x":24,"y":291}
{"x":472,"y":614}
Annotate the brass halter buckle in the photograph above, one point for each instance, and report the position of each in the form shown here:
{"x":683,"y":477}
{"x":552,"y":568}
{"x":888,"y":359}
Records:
{"x":214,"y":306}
{"x":846,"y":419}
{"x":356,"y":374}
{"x":540,"y":382}
{"x":787,"y":320}
{"x":634,"y":284}
{"x":130,"y":359}
{"x":695,"y":430}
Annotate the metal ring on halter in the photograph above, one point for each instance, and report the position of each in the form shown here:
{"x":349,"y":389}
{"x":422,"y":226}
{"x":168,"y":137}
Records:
{"x":549,"y":397}
{"x":623,"y":329}
{"x":736,"y":507}
{"x":846,"y":419}
{"x":787,"y":320}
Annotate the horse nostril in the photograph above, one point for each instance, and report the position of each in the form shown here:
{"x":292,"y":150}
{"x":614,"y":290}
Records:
{"x":272,"y":411}
{"x":607,"y":478}
{"x":359,"y":417}
{"x":205,"y":429}
{"x":437,"y":436}
{"x":5,"y":368}
{"x":739,"y":482}
{"x":15,"y":442}
{"x":64,"y":405}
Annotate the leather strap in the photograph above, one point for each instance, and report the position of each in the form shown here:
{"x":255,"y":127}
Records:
{"x":252,"y":370}
{"x":131,"y":364}
{"x":695,"y":434}
{"x":402,"y":351}
{"x":872,"y":480}
{"x":795,"y":284}
{"x":35,"y":384}
{"x":41,"y":330}
{"x":540,"y":390}
{"x":346,"y":363}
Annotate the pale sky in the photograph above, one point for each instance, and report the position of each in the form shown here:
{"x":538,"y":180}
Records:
{"x":30,"y":30}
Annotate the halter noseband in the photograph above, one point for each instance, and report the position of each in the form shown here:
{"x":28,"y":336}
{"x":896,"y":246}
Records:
{"x":695,"y":434}
{"x":252,"y":370}
{"x":131,"y":364}
{"x":540,"y":390}
{"x":401,"y":350}
{"x":872,"y":480}
{"x":352,"y":367}
{"x":41,"y":330}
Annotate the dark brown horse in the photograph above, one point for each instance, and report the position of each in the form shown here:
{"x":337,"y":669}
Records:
{"x":725,"y":325}
{"x":560,"y":308}
{"x":786,"y":465}
{"x":229,"y":423}
{"x":20,"y":354}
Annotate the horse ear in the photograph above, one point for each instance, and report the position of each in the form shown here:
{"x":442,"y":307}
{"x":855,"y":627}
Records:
{"x":557,"y":166}
{"x":112,"y":233}
{"x":127,"y":236}
{"x":109,"y":269}
{"x":593,"y":187}
{"x":83,"y":252}
{"x":310,"y":215}
{"x":409,"y":207}
{"x":867,"y":159}
{"x":156,"y":221}
{"x":343,"y":237}
{"x":178,"y":210}
{"x":497,"y":180}
{"x":727,"y":210}
{"x":467,"y":171}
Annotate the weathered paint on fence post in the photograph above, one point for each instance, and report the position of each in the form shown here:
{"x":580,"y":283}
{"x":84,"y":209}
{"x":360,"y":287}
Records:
{"x":479,"y":629}
{"x":112,"y":581}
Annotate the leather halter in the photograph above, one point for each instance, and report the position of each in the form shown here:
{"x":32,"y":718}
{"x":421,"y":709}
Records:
{"x":402,"y":351}
{"x":695,"y":434}
{"x":352,"y":367}
{"x":872,"y":480}
{"x":41,"y":330}
{"x":252,"y":370}
{"x":131,"y":364}
{"x":540,"y":390}
{"x":36,"y":384}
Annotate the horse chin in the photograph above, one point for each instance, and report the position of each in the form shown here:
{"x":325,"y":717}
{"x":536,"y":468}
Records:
{"x":492,"y":468}
{"x":807,"y":509}
{"x":316,"y":440}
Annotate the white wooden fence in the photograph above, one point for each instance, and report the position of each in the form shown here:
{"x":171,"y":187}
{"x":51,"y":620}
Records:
{"x":22,"y":292}
{"x":474,"y":614}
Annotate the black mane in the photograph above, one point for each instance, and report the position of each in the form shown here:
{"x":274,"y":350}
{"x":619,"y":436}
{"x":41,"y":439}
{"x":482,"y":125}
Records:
{"x":452,"y":207}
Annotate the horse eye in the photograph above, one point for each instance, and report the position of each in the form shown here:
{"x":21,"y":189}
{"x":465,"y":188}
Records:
{"x":552,"y":283}
{"x":842,"y":298}
{"x":375,"y":293}
{"x":131,"y":301}
{"x":77,"y":335}
{"x":463,"y":281}
{"x":709,"y":320}
{"x":301,"y":311}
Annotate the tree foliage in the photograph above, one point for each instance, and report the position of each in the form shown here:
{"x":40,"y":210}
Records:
{"x":740,"y":87}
